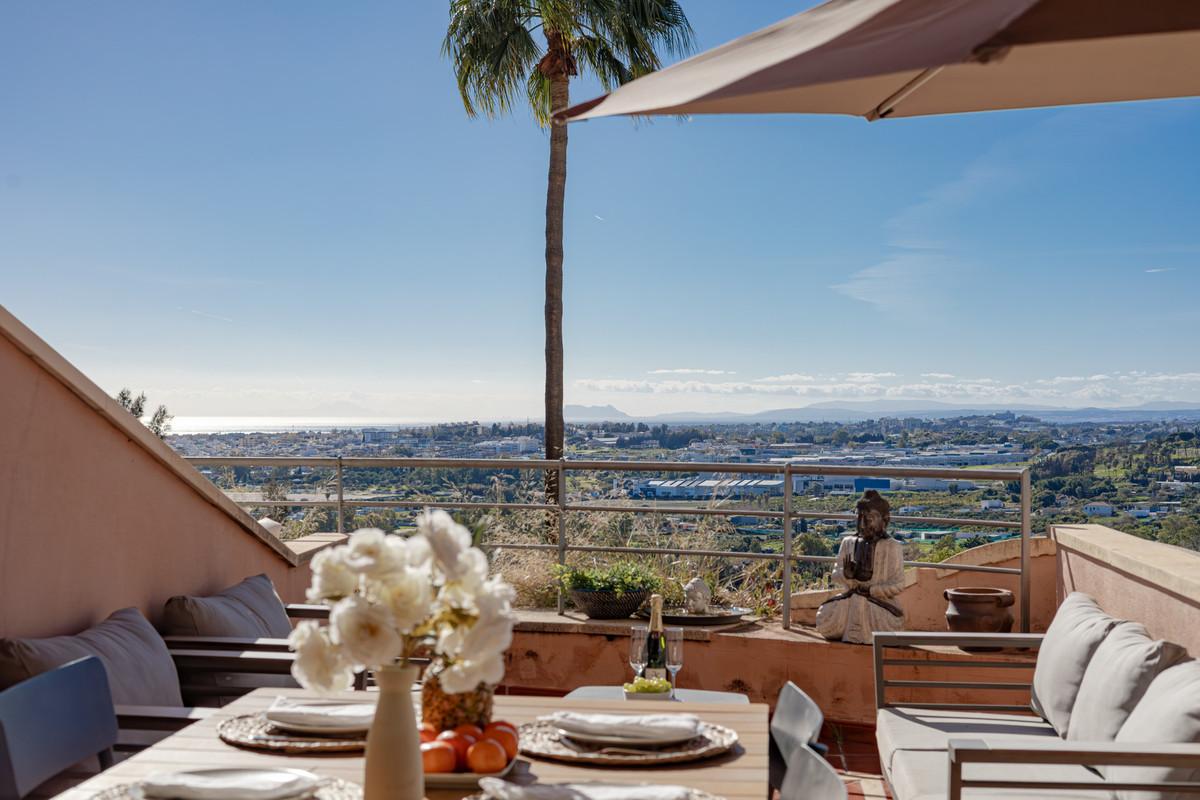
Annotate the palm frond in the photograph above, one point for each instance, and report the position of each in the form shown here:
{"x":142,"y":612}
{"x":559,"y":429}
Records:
{"x":493,"y":48}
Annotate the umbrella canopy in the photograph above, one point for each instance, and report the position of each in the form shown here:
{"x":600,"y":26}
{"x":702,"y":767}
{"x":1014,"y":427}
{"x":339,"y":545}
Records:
{"x":903,"y":58}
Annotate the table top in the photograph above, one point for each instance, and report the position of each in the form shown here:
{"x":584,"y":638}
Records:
{"x":738,"y":775}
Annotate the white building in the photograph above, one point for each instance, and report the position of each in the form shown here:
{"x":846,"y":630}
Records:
{"x":1097,"y":509}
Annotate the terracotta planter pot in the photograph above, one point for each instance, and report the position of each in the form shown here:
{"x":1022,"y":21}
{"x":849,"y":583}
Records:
{"x":979,"y":610}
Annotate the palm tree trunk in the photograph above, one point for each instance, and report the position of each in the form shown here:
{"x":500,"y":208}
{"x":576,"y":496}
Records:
{"x":555,"y":193}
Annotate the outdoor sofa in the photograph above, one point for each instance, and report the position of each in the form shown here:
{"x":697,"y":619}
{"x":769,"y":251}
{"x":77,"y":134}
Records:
{"x":1110,"y":713}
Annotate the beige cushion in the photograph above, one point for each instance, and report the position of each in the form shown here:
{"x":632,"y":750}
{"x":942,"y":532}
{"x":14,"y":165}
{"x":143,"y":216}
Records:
{"x":925,"y":775}
{"x":1077,"y":630}
{"x":1119,"y":674}
{"x":140,"y":670}
{"x":902,"y":728}
{"x":1169,"y":712}
{"x":250,"y":609}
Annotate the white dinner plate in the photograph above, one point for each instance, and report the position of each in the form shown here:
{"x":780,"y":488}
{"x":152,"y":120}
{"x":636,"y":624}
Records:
{"x":250,"y":772}
{"x":320,"y":730}
{"x":462,"y":780}
{"x":628,"y":741}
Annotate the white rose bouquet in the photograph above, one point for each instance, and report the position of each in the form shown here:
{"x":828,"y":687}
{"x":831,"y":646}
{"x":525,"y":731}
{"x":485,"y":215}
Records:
{"x":389,"y":594}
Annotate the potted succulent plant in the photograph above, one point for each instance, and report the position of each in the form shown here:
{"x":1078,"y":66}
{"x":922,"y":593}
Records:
{"x":614,"y":591}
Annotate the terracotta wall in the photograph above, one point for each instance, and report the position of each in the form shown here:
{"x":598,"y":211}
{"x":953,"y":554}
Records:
{"x":91,"y":522}
{"x":1156,"y":584}
{"x":840,"y":677}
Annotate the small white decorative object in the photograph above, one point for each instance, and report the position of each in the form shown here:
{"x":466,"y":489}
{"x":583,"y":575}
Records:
{"x":696,"y":596}
{"x":388,"y":594}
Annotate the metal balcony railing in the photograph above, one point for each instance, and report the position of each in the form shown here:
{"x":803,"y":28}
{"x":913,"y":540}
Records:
{"x":561,"y":507}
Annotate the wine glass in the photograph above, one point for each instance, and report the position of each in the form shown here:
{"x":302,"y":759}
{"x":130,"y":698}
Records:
{"x":637,"y":648}
{"x":674,"y":653}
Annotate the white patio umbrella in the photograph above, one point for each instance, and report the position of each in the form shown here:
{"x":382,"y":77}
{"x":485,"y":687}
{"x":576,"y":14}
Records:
{"x":902,"y":58}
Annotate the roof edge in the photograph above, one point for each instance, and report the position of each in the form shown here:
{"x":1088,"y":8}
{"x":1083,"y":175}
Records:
{"x":82,"y":387}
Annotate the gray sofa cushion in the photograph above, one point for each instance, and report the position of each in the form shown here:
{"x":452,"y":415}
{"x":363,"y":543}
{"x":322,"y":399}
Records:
{"x":1118,"y":675}
{"x":925,"y":775}
{"x":900,"y":728}
{"x":1077,"y":630}
{"x":250,"y":609}
{"x":140,"y":670}
{"x":1168,"y":712}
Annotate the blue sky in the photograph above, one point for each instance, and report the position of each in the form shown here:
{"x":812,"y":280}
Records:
{"x":280,"y":207}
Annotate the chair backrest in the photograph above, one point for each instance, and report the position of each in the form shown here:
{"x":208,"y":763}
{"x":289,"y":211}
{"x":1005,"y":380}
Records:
{"x":52,"y":721}
{"x":797,"y":721}
{"x":810,"y":777}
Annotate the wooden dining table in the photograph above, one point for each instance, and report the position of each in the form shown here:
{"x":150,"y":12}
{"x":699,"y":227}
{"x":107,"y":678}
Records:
{"x":740,"y":774}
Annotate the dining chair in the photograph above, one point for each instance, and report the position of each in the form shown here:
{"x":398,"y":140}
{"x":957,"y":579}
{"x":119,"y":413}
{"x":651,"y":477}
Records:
{"x":795,"y":726}
{"x":811,"y":777}
{"x":51,"y":722}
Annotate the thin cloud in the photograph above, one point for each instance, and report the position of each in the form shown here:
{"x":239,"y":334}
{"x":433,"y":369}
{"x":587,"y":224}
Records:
{"x":939,"y":375}
{"x":689,"y":371}
{"x":597,"y":216}
{"x":791,"y":377}
{"x":207,"y":315}
{"x":1113,"y":389}
{"x":1156,"y":270}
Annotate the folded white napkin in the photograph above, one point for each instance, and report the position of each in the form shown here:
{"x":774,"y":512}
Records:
{"x":496,"y":789}
{"x":321,"y":713}
{"x":229,"y":785}
{"x":632,"y":726}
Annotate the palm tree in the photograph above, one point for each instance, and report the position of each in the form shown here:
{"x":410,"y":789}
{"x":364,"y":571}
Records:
{"x":500,"y":58}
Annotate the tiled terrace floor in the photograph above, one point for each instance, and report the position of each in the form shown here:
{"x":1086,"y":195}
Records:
{"x":853,"y":753}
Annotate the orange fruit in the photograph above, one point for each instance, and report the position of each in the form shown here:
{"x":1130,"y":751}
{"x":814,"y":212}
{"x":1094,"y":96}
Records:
{"x":470,"y":730}
{"x":491,"y":726}
{"x":438,"y":757}
{"x":486,"y":755}
{"x":428,"y":733}
{"x":505,"y":738}
{"x":461,"y":742}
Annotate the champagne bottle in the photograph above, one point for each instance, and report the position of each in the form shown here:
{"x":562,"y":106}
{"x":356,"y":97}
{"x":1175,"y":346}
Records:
{"x":656,"y":642}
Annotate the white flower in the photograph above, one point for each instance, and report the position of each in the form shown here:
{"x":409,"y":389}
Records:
{"x":408,"y":594}
{"x":447,"y":541}
{"x":464,"y":675}
{"x":318,"y":665}
{"x":369,"y":553}
{"x":365,"y":631}
{"x":491,"y":632}
{"x":331,"y":578}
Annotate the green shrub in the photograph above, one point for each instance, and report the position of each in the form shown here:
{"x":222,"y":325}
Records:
{"x":619,"y":578}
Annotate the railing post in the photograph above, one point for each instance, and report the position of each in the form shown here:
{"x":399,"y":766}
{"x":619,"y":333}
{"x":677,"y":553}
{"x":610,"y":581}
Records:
{"x":787,"y":547}
{"x":561,"y":501}
{"x":1026,"y":532}
{"x":341,"y":506}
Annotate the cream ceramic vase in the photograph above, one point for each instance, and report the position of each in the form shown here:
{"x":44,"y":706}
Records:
{"x":393,"y":745}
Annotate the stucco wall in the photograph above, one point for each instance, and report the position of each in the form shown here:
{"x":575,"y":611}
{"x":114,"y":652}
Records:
{"x":1156,"y":584}
{"x":90,"y":521}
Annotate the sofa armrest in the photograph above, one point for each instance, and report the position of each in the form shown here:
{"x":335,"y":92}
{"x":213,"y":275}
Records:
{"x":307,"y":611}
{"x":951,"y":659}
{"x":1090,"y":754}
{"x":951,"y":639}
{"x":225,"y":643}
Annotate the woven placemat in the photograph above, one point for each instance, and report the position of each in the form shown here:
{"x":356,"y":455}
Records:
{"x":542,"y":740}
{"x":696,"y":794}
{"x":253,"y":731}
{"x":328,"y":789}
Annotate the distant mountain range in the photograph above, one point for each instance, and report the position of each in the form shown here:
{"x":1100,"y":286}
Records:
{"x":834,"y":411}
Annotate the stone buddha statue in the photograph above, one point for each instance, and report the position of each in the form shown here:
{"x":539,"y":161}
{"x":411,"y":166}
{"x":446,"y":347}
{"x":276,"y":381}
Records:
{"x":870,"y":567}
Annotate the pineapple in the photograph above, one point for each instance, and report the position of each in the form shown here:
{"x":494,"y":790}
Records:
{"x":446,"y":711}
